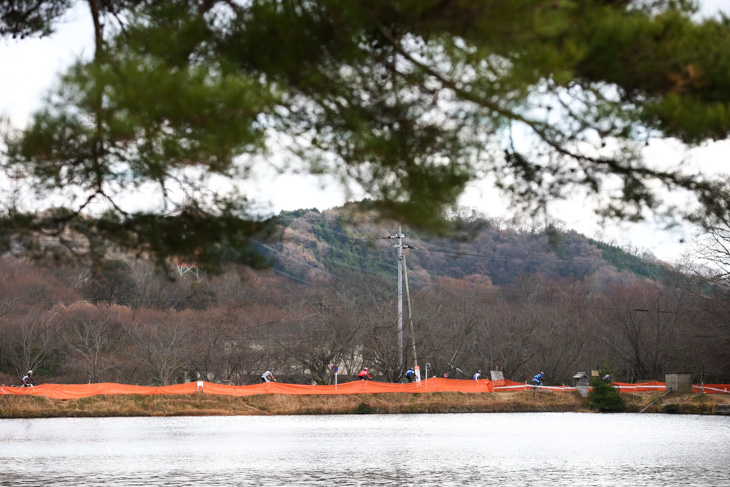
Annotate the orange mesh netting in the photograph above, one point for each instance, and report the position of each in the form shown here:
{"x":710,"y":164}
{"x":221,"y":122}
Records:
{"x":712,"y":388}
{"x":642,"y":387}
{"x":75,"y":391}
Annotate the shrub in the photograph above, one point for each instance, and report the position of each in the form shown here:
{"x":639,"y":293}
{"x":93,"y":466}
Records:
{"x":363,"y":408}
{"x":671,"y":409}
{"x":603,"y":395}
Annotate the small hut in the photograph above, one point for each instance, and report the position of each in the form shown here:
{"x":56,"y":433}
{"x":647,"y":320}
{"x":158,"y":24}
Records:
{"x":678,"y":382}
{"x":582,"y":383}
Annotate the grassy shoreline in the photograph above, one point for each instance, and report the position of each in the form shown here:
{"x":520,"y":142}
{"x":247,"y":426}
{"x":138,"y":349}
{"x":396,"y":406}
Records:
{"x":398,"y":403}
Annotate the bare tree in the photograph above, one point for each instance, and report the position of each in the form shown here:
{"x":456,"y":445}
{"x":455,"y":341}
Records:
{"x":711,"y":288}
{"x":321,"y":331}
{"x":221,"y":348}
{"x":380,"y":328}
{"x":514,"y":336}
{"x":644,"y":328}
{"x":455,"y":326}
{"x":30,"y":340}
{"x":153,"y":290}
{"x":560,"y":317}
{"x":160,"y":343}
{"x":92,"y":335}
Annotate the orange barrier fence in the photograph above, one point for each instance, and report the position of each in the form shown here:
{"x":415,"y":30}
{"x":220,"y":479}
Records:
{"x":76,"y":391}
{"x":661,"y":386}
{"x":641,"y":387}
{"x":712,"y":388}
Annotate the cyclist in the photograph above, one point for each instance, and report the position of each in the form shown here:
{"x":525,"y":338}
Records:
{"x":267,"y":377}
{"x":28,"y":379}
{"x":411,"y":375}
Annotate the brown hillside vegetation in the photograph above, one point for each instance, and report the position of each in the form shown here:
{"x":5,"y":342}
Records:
{"x":447,"y":402}
{"x":515,"y":299}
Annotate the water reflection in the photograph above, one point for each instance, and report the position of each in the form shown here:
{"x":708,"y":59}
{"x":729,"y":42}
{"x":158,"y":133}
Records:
{"x":392,"y":450}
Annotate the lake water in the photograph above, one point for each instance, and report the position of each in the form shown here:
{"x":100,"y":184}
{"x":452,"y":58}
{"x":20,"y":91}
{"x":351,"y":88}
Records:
{"x":370,"y":450}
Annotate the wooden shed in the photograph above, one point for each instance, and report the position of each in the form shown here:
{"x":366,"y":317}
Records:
{"x":582,"y":383}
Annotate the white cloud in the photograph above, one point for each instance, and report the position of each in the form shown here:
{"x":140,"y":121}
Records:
{"x":31,"y":66}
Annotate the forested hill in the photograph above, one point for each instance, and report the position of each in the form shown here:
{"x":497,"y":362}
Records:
{"x":325,"y":246}
{"x":490,"y":294}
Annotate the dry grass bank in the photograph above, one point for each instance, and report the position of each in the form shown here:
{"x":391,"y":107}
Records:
{"x":444,"y":402}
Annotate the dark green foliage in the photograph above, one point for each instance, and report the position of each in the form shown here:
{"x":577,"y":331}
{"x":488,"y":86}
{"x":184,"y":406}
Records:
{"x":603,"y":396}
{"x":670,"y":409}
{"x":410,"y":99}
{"x":193,"y":235}
{"x":364,"y":408}
{"x":286,"y":217}
{"x":25,"y":18}
{"x":630,"y":263}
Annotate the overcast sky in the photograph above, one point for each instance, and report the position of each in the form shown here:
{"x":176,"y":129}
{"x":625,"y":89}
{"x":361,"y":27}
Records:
{"x":30,"y":68}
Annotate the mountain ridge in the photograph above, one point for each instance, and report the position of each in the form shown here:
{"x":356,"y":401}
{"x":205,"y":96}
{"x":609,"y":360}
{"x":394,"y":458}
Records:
{"x":327,"y":245}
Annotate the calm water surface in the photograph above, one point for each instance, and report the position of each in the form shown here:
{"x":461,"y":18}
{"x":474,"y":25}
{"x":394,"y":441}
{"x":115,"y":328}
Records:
{"x":374,"y":450}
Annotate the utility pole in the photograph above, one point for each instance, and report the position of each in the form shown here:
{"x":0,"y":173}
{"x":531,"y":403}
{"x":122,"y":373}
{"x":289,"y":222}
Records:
{"x":399,"y":246}
{"x":400,"y":298}
{"x":416,"y":369}
{"x":401,"y":263}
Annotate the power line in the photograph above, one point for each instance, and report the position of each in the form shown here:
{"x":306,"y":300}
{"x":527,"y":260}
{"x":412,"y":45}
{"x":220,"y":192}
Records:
{"x":278,"y":297}
{"x":597,"y":261}
{"x":628,"y":261}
